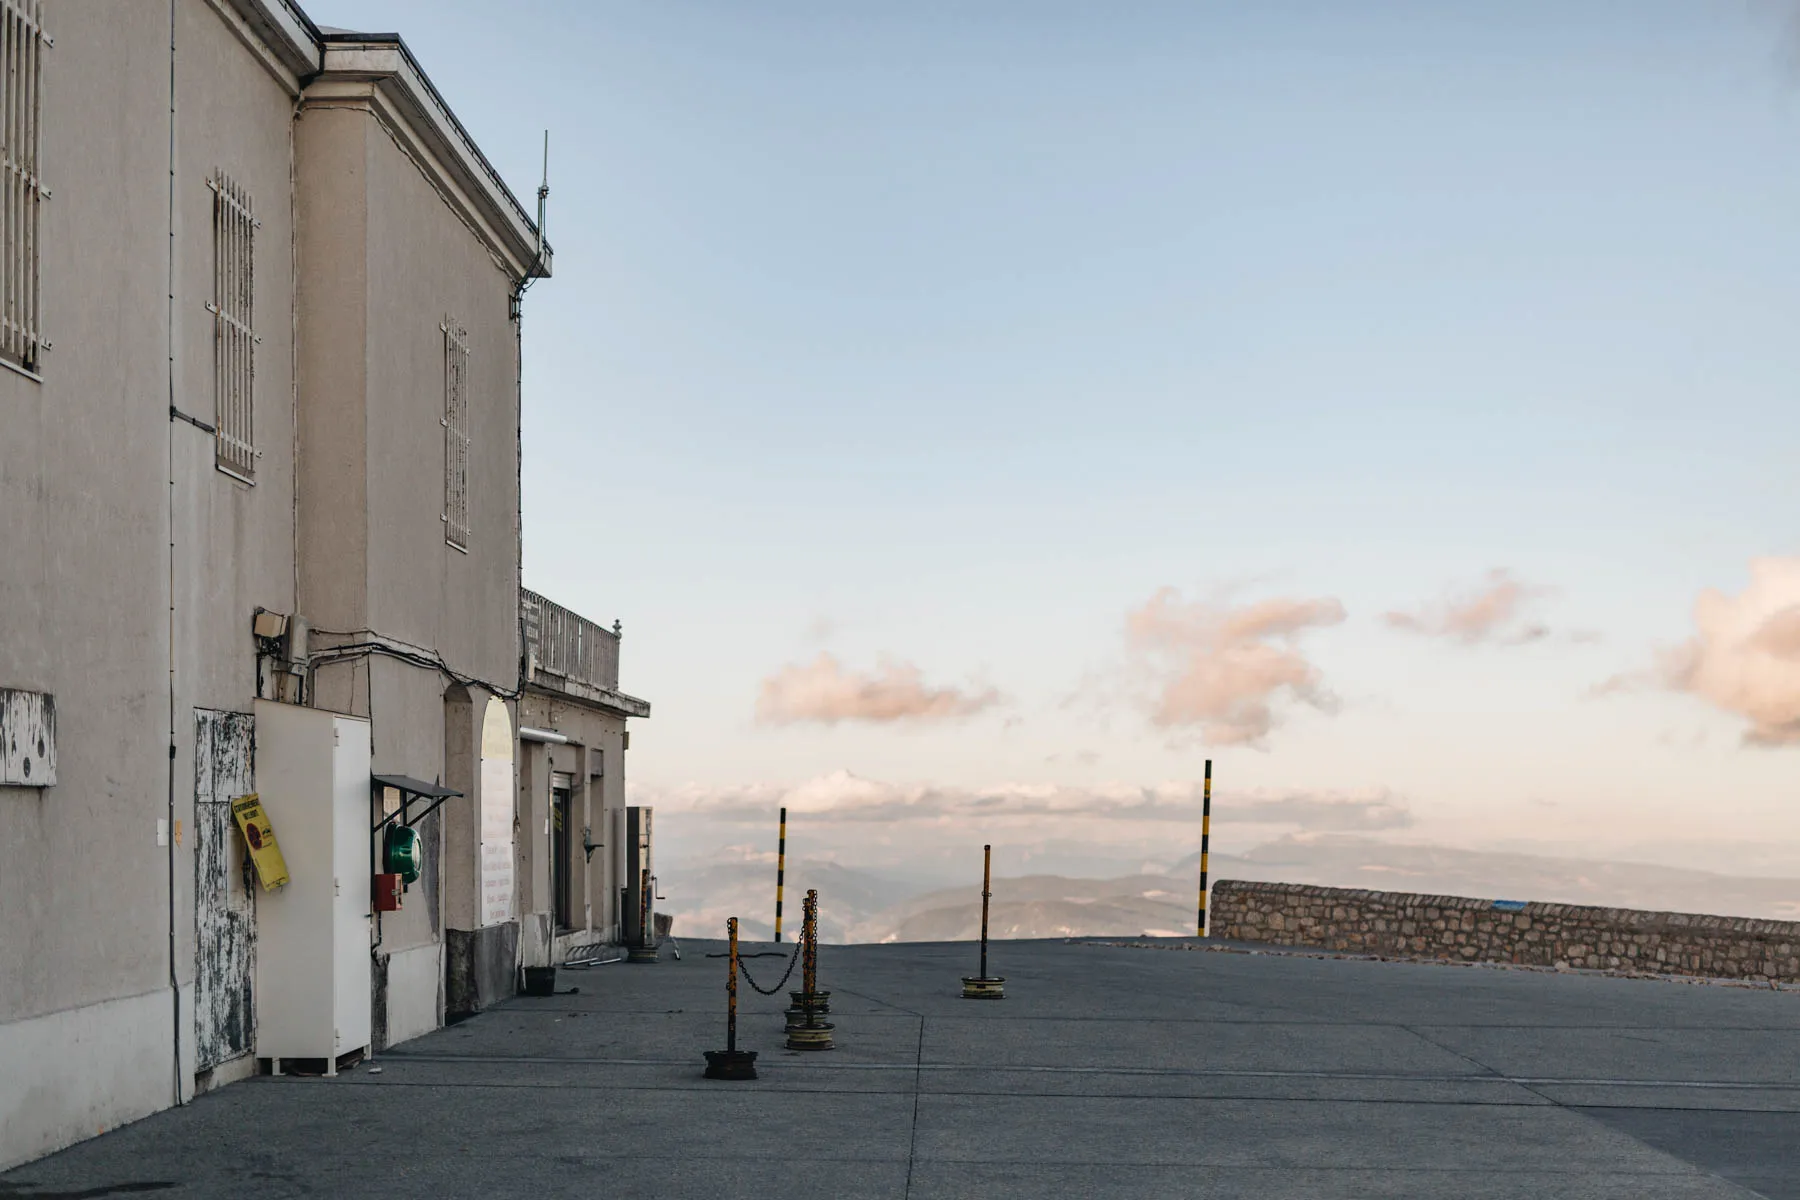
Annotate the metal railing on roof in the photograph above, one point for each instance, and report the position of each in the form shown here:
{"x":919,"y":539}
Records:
{"x":567,"y":645}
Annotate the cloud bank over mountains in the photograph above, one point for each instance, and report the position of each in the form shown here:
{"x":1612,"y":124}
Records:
{"x":842,"y":798}
{"x":1230,"y":673}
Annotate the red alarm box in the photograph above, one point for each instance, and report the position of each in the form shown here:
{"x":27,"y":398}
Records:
{"x":388,"y":890}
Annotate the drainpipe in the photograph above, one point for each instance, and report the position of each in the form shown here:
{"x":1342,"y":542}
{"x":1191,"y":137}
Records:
{"x":169,"y":818}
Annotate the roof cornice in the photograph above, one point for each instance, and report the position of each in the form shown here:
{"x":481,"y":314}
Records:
{"x":280,"y":34}
{"x":378,"y":69}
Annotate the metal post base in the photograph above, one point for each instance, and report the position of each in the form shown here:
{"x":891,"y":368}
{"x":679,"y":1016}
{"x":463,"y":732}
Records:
{"x":821,"y":1000}
{"x":984,"y":989}
{"x":641,"y":954}
{"x":814,"y":1037}
{"x":731,"y":1064}
{"x":797,"y":1015}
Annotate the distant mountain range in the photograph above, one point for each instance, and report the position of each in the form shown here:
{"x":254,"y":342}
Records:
{"x":868,"y":906}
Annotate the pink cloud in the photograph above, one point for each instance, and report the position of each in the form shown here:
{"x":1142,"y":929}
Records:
{"x":1745,"y":655}
{"x":1224,"y":669}
{"x":826,"y":692}
{"x":1490,"y":612}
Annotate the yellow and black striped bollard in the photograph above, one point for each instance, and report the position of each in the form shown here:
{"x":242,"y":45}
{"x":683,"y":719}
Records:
{"x":1205,"y":837}
{"x":780,"y":870}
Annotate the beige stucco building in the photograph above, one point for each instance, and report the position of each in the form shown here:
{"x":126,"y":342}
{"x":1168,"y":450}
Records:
{"x":259,"y":444}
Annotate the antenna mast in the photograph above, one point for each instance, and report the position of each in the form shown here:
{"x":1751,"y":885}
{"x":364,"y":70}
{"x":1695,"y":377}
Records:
{"x":543,"y":197}
{"x":518,"y":293}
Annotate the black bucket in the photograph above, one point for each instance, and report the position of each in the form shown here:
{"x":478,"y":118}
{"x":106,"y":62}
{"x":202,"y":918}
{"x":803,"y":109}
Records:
{"x":540,"y":981}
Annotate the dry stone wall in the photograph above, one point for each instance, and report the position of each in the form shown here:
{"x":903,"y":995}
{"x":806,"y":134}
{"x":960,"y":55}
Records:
{"x":1405,"y":924}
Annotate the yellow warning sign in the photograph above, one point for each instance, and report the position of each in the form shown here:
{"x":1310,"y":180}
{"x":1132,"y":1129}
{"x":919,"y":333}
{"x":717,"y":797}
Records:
{"x":259,"y":835}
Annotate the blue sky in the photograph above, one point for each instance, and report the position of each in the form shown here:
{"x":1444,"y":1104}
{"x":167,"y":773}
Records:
{"x":951,"y":333}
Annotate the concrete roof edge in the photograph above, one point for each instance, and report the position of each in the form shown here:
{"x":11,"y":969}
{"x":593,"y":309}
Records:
{"x":289,"y":39}
{"x":385,"y":60}
{"x":606,"y":699}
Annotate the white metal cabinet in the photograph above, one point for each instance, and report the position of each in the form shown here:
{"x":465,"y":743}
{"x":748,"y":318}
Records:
{"x":312,"y":963}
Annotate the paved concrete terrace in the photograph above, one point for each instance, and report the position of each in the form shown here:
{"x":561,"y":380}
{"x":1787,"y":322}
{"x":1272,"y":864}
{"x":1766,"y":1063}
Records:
{"x":1105,"y":1072}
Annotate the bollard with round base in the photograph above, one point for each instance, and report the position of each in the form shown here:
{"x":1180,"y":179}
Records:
{"x":804,"y":1029}
{"x":797,"y":1015}
{"x":731,"y":1064}
{"x":983,"y":989}
{"x":821,"y":1000}
{"x":985,"y":986}
{"x":816,"y":1036}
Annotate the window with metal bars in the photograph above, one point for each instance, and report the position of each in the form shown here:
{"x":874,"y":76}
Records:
{"x":456,"y":434}
{"x":234,"y":327}
{"x":22,"y":40}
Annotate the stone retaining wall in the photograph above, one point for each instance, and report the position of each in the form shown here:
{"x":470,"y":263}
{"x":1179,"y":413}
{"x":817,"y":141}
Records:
{"x":1405,"y":924}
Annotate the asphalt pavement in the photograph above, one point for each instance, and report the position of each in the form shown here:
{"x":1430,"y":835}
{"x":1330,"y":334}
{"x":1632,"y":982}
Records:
{"x":1107,"y":1071}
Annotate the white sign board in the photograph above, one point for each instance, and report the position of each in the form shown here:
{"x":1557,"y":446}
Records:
{"x":496,"y":862}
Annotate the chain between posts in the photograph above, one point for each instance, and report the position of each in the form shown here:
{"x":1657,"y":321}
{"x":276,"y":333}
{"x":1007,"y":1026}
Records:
{"x":745,"y":971}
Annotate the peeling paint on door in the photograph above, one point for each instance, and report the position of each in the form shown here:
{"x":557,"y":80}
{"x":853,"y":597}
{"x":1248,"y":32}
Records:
{"x":27,"y":738}
{"x":224,"y":902}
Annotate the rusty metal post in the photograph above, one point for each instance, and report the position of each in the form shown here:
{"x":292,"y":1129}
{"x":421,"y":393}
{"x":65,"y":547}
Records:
{"x":810,"y":972}
{"x":987,"y":883}
{"x":983,"y":986}
{"x":731,"y":1063}
{"x":1205,"y":838}
{"x":812,"y":1034}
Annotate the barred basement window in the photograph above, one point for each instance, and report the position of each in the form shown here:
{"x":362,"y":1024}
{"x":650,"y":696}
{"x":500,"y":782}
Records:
{"x":22,"y":40}
{"x":234,"y":326}
{"x":456,"y":434}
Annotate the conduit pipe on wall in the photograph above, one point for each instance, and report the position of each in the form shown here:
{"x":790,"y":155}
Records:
{"x":528,"y":734}
{"x":169,"y":818}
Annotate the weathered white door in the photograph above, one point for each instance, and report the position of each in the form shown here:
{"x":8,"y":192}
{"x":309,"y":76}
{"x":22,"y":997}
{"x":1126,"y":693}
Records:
{"x":224,"y":902}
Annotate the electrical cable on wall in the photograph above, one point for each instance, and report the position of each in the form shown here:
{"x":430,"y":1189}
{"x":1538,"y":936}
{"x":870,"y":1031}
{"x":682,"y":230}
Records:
{"x":417,"y":656}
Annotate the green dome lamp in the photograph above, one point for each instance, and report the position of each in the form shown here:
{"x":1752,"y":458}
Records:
{"x":403,"y":852}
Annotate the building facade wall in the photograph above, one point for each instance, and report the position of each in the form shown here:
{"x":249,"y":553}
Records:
{"x":84,"y":502}
{"x":595,"y":756}
{"x":417,"y":267}
{"x":233,"y":540}
{"x":141,"y":563}
{"x":134,"y":565}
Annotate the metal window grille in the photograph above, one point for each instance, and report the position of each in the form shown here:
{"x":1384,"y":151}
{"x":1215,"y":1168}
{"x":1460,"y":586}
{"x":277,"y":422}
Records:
{"x":22,"y":40}
{"x":234,"y":323}
{"x":456,"y":434}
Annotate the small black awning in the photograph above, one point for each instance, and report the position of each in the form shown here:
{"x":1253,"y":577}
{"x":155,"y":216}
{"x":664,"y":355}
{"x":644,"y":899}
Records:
{"x":418,"y":787}
{"x":410,"y":789}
